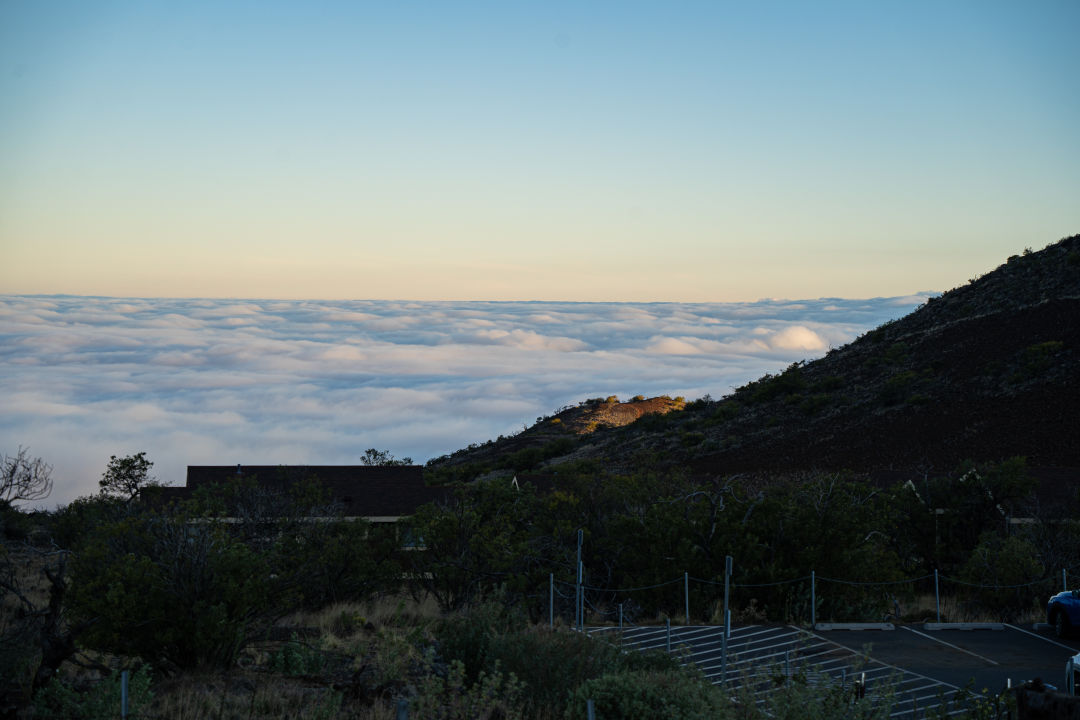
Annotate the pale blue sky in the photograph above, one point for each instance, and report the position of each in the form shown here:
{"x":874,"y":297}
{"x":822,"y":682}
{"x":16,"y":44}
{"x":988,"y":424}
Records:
{"x":555,"y":151}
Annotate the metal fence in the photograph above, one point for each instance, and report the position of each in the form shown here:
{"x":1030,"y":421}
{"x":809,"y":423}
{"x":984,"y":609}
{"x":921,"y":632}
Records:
{"x":805,"y":595}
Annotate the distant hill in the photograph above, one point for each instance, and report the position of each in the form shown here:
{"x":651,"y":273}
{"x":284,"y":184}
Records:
{"x":986,"y":371}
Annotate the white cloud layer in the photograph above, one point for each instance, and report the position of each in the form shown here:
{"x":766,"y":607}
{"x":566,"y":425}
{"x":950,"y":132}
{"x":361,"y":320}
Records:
{"x":204,"y":382}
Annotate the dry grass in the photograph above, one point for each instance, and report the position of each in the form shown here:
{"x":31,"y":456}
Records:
{"x":256,"y":696}
{"x":954,"y":609}
{"x":338,"y":618}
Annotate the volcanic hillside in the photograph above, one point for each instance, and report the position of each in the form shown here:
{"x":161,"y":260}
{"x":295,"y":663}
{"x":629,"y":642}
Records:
{"x":984,"y":372}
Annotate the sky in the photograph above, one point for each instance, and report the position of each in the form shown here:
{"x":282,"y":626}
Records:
{"x":317,"y":382}
{"x":515,"y":151}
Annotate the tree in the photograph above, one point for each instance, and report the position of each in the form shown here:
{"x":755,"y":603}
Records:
{"x":126,"y":476}
{"x":24,"y":478}
{"x":166,"y":589}
{"x":382,"y":457}
{"x":37,"y":638}
{"x":476,"y":542}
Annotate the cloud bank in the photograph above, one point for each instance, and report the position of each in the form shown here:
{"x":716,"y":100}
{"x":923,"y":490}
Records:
{"x":209,"y":382}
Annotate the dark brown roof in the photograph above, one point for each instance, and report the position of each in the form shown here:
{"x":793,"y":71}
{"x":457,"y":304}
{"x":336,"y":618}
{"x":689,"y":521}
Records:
{"x":362,"y":490}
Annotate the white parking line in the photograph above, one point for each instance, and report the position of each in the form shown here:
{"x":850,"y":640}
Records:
{"x":1052,"y":642}
{"x":954,"y":647}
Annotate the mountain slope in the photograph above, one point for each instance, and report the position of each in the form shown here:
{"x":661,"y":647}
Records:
{"x":986,"y":371}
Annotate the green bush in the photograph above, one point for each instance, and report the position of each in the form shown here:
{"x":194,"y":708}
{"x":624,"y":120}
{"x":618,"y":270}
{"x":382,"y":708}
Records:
{"x":897,"y":387}
{"x":1038,"y":358}
{"x":163,"y":589}
{"x":59,"y":699}
{"x":295,"y":658}
{"x":648,"y":695}
{"x":725,"y":411}
{"x":769,"y":387}
{"x":551,"y":663}
{"x":1004,"y":566}
{"x":493,"y":696}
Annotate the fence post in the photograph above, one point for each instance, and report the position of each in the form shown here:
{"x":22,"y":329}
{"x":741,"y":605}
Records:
{"x":1064,"y":580}
{"x":402,"y":709}
{"x":124,"y":694}
{"x":686,"y":592}
{"x":727,"y":621}
{"x":590,"y":710}
{"x":668,"y":622}
{"x":551,"y":600}
{"x":620,"y":621}
{"x":577,"y":596}
{"x":937,"y":596}
{"x":813,"y":599}
{"x":581,"y":597}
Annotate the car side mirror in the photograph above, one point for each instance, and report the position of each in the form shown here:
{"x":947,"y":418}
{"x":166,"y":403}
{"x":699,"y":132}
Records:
{"x":1076,"y":593}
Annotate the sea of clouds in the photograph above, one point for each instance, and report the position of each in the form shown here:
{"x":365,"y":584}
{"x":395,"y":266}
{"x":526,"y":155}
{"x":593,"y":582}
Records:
{"x":218,"y":382}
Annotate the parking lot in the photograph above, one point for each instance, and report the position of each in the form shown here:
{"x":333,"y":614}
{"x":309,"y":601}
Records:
{"x":924,"y":667}
{"x":990,"y":657}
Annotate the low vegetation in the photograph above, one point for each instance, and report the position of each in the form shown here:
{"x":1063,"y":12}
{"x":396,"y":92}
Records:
{"x":275,"y":616}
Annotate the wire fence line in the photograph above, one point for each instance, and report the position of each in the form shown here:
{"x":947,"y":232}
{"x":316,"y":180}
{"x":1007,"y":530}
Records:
{"x":580,"y":591}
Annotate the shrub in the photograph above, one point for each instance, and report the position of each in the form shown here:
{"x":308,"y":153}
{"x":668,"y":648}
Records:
{"x":493,"y":695}
{"x":1036,"y":359}
{"x":691,"y":439}
{"x":897,"y":387}
{"x":725,"y":411}
{"x":1004,"y":566}
{"x":100,"y":702}
{"x":295,"y":658}
{"x":815,"y":403}
{"x":551,"y":664}
{"x":789,"y":382}
{"x":648,"y":695}
{"x":162,"y":589}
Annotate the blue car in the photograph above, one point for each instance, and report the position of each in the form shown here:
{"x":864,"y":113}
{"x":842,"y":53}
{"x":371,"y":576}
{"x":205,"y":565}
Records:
{"x":1063,"y":612}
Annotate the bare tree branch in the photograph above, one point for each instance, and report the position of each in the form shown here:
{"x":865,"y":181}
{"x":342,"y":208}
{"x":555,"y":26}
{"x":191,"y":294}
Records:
{"x":24,"y":478}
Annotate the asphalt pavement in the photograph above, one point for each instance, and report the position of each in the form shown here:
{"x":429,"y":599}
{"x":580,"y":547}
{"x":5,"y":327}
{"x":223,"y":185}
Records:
{"x":989,"y":658}
{"x":923,"y":668}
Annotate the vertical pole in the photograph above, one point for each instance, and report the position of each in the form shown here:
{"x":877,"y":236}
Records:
{"x":577,"y":595}
{"x":551,"y":600}
{"x":937,"y":596}
{"x":727,"y":619}
{"x":668,"y":621}
{"x":581,"y":596}
{"x":124,"y":694}
{"x":590,"y":710}
{"x":620,"y":620}
{"x":813,"y":599}
{"x":1064,"y":580}
{"x":686,"y":593}
{"x":402,"y":709}
{"x":787,"y":667}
